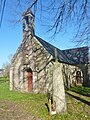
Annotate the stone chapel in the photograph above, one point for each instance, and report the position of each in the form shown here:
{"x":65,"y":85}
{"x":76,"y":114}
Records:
{"x":32,"y":67}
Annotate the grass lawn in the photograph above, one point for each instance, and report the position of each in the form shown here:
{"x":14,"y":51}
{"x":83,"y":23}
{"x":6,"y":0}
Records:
{"x":2,"y":79}
{"x":81,"y":90}
{"x":26,"y":106}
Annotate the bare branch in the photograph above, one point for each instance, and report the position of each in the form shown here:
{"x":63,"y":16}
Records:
{"x":60,"y":15}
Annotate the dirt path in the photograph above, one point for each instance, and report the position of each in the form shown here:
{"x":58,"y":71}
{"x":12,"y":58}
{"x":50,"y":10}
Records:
{"x":13,"y":111}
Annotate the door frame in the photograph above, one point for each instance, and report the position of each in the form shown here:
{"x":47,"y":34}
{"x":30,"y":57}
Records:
{"x":30,"y":79}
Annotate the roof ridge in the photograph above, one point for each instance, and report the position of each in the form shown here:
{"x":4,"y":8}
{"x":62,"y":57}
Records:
{"x":51,"y":49}
{"x":69,"y":56}
{"x":76,"y":48}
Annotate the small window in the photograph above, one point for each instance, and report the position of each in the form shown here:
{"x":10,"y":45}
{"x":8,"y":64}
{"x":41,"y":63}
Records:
{"x":27,"y":20}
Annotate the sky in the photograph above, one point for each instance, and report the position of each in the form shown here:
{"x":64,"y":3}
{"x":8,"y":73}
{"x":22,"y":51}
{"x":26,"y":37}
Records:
{"x":11,"y":37}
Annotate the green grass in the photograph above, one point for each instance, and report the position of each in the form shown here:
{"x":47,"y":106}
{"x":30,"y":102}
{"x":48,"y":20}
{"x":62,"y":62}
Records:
{"x":4,"y":79}
{"x":81,"y":90}
{"x":34,"y":104}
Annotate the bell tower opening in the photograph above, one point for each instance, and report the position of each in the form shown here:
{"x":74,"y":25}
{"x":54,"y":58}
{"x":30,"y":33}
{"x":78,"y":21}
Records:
{"x":28,"y":22}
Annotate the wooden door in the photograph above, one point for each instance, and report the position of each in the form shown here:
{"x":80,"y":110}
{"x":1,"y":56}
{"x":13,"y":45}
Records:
{"x":78,"y":77}
{"x":30,"y":82}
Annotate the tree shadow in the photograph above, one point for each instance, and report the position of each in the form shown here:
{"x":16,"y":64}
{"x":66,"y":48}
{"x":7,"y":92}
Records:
{"x":80,"y":99}
{"x":87,"y":95}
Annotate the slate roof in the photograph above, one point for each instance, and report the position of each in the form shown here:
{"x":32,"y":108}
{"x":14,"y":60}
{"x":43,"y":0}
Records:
{"x":77,"y":55}
{"x":70,"y":56}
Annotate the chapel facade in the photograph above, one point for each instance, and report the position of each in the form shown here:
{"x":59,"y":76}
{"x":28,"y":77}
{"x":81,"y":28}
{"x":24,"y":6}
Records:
{"x":33,"y":64}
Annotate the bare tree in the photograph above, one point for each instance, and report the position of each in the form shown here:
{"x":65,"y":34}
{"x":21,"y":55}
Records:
{"x":59,"y":13}
{"x":6,"y":69}
{"x":6,"y":66}
{"x":62,"y":13}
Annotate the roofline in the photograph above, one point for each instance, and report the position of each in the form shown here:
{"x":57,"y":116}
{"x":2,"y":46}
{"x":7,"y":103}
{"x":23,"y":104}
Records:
{"x":76,"y":48}
{"x":66,"y":62}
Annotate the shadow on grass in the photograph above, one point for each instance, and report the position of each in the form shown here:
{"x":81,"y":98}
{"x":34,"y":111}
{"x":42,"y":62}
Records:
{"x":87,"y":95}
{"x":3,"y":81}
{"x":80,"y":99}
